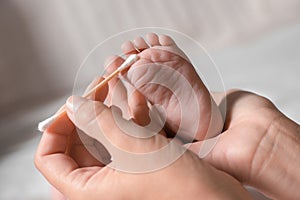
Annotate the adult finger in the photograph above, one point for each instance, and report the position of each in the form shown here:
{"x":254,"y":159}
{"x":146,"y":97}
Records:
{"x":117,"y":94}
{"x":87,"y":151}
{"x":138,"y":106}
{"x":108,"y":127}
{"x":203,"y":148}
{"x":99,"y":94}
{"x":51,"y":158}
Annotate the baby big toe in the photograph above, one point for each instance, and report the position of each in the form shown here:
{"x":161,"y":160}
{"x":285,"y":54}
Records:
{"x":166,"y":40}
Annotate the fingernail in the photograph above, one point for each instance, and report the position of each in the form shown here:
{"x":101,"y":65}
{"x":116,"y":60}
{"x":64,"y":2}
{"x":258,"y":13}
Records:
{"x":74,"y":102}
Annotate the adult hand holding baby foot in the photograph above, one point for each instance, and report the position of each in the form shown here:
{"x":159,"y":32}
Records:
{"x":249,"y":148}
{"x":78,"y":175}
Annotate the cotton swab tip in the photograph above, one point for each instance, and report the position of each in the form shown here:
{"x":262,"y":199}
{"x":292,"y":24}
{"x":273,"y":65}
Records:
{"x":129,"y":61}
{"x":43,"y":125}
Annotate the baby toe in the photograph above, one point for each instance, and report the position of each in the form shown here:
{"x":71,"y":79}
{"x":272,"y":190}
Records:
{"x":140,"y":44}
{"x":152,"y":39}
{"x":166,"y":40}
{"x":128,"y":48}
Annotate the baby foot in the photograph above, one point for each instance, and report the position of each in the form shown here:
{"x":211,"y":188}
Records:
{"x":156,"y":55}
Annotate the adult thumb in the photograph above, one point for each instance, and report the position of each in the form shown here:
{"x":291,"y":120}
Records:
{"x":128,"y":151}
{"x":109,"y":127}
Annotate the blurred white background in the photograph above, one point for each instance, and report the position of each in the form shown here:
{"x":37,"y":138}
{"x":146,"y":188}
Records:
{"x":256,"y":45}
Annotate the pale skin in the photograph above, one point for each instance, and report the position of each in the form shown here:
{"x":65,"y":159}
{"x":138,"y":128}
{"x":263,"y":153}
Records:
{"x":159,"y":51}
{"x":259,"y":146}
{"x":248,"y":149}
{"x":73,"y":171}
{"x":257,"y":140}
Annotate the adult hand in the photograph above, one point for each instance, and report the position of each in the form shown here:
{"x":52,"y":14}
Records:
{"x":259,"y":146}
{"x":69,"y":167}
